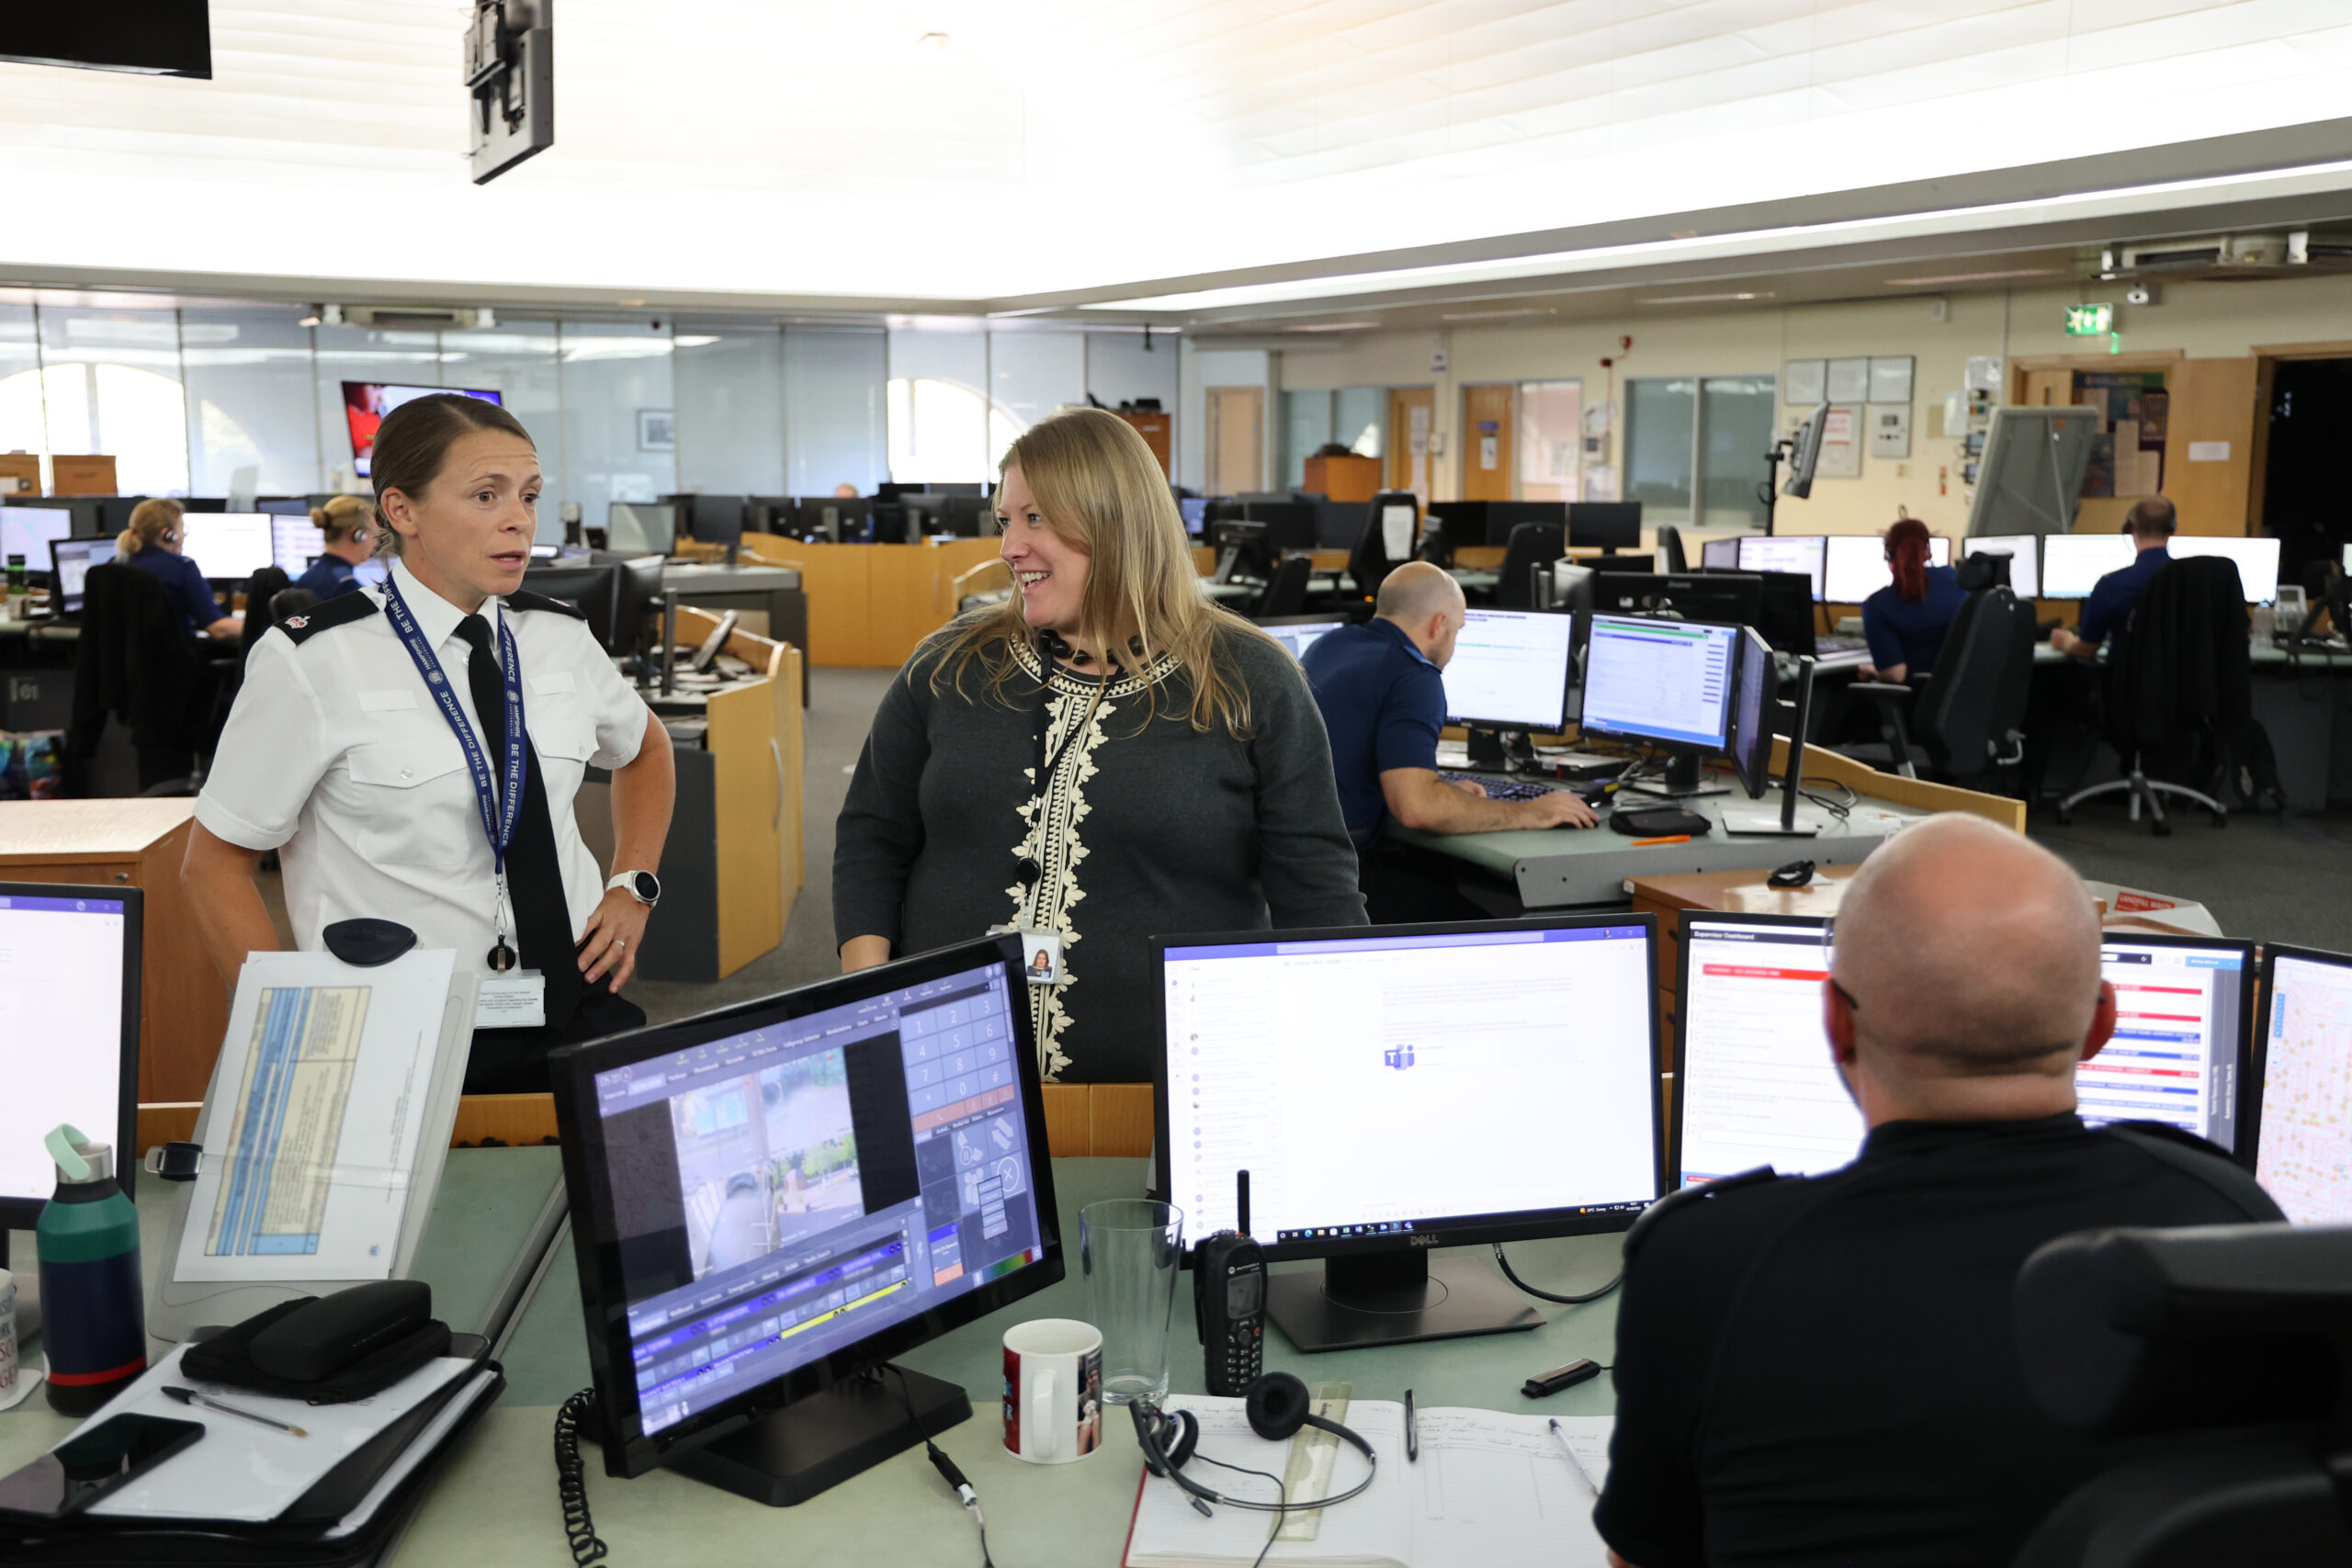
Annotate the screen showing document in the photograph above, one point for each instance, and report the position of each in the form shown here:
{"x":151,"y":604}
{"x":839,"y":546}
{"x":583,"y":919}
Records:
{"x":2024,"y":580}
{"x":1510,"y":669}
{"x":295,"y":542}
{"x":1857,"y":566}
{"x":60,"y":1009}
{"x":1366,"y":1082}
{"x":2072,"y":564}
{"x":2257,"y":562}
{"x":27,"y":531}
{"x":1786,"y":553}
{"x":2305,"y":1159}
{"x":1668,"y":681}
{"x":1754,"y":1071}
{"x":228,"y":546}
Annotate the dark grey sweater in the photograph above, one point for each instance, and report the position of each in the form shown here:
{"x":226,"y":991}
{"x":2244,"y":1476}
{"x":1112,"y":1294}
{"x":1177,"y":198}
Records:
{"x":1150,"y":830}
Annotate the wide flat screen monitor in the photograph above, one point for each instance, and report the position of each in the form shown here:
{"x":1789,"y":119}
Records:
{"x":295,"y":542}
{"x":2024,"y":551}
{"x":713,"y":519}
{"x":1299,"y":633}
{"x":1733,"y":598}
{"x":1807,"y":553}
{"x":1757,"y":1085}
{"x":1855,"y":566}
{"x":365,"y":403}
{"x":641,"y":528}
{"x":228,"y":547}
{"x":1362,"y":1076}
{"x":279,"y":506}
{"x":2303,"y":1133}
{"x":2257,"y":562}
{"x":70,"y":561}
{"x":2072,"y":564}
{"x":593,"y":590}
{"x":1669,"y":682}
{"x":28,"y":531}
{"x":1605,"y":525}
{"x":1720,"y":555}
{"x":69,"y":970}
{"x":1510,"y":670}
{"x":1754,"y":705}
{"x":772,"y":1198}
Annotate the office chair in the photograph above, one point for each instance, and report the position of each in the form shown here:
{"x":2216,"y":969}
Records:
{"x":1286,"y":590}
{"x":1967,"y":717}
{"x":1531,"y":545}
{"x":261,"y":608}
{"x":136,"y":664}
{"x":1368,"y":562}
{"x":2213,"y":1359}
{"x":1669,"y":545}
{"x":2180,"y":687}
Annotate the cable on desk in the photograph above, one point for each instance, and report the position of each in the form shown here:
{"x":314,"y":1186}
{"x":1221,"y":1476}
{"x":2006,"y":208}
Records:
{"x":945,"y":1466}
{"x":1841,"y":810}
{"x":572,"y":1482}
{"x":1504,"y":1264}
{"x":1282,"y":1497}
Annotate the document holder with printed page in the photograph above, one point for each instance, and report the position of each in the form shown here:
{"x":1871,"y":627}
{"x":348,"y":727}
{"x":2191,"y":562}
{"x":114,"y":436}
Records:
{"x":324,"y":1130}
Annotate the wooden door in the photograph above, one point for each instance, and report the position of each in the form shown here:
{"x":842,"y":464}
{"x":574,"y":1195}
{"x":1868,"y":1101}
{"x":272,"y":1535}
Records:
{"x":1237,"y":439}
{"x":2208,"y":446}
{"x":2049,"y":388}
{"x":1490,"y":416}
{"x":1412,"y":420}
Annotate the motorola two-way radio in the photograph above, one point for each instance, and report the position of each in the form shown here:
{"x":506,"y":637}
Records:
{"x":1229,"y":1302}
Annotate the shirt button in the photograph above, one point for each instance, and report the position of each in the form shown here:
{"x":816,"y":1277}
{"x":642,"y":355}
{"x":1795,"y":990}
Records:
{"x":408,"y":772}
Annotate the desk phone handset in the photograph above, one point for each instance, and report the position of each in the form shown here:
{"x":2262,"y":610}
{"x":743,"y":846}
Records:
{"x":1229,"y":1302}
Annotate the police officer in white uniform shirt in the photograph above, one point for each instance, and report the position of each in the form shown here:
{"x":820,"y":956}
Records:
{"x":387,"y":793}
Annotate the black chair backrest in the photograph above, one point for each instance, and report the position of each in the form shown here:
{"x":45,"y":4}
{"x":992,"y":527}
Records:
{"x":260,"y":592}
{"x":1531,"y":545}
{"x":1369,"y":562}
{"x":1669,"y":545}
{"x":1286,"y":591}
{"x":2180,"y":669}
{"x":1977,"y":697}
{"x":287,"y":602}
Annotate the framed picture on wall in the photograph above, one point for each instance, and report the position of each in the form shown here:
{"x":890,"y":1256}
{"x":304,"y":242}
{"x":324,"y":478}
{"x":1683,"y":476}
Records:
{"x":657,"y":430}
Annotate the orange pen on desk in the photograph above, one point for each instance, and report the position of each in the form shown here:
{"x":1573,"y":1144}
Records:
{"x":1670,"y":838}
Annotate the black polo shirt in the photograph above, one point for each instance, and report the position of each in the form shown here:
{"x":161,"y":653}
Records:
{"x":1383,"y":706}
{"x":1820,"y":1371}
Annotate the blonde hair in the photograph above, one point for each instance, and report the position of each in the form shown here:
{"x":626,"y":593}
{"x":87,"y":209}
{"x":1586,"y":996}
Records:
{"x":150,"y":521}
{"x":1100,"y":490}
{"x":344,"y":517}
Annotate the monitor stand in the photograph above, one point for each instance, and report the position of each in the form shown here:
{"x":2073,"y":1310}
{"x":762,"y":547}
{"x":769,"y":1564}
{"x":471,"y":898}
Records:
{"x":790,"y":1455}
{"x":1392,"y":1298}
{"x":1489,"y":751}
{"x":1682,"y":781}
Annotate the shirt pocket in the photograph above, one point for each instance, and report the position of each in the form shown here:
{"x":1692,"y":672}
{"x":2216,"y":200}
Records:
{"x":565,"y":742}
{"x":414,"y":804}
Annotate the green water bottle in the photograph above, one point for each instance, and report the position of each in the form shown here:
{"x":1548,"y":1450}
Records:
{"x":93,"y":1301}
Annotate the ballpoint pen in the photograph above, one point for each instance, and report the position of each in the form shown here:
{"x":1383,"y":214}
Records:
{"x":1573,"y":1463}
{"x":189,"y":1397}
{"x":1412,"y":1430}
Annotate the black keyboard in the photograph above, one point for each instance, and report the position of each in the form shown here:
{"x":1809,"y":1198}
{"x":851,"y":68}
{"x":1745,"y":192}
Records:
{"x":1503,"y":789}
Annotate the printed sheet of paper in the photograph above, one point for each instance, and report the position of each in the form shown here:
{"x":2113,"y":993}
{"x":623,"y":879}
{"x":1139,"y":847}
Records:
{"x":324,"y":1072}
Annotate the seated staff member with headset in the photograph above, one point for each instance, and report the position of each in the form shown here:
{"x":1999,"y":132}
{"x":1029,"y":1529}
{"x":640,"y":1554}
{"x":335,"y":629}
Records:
{"x":151,"y":543}
{"x":2150,"y":522}
{"x":1905,"y":622}
{"x":1103,"y":757}
{"x":349,"y":525}
{"x":388,"y":791}
{"x":1821,"y":1369}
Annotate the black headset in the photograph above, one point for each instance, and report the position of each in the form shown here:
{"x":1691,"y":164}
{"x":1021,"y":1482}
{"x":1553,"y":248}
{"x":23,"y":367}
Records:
{"x":1278,"y":1405}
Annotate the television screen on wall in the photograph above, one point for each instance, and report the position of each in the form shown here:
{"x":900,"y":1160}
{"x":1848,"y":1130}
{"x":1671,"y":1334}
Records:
{"x":364,"y":405}
{"x":159,"y":38}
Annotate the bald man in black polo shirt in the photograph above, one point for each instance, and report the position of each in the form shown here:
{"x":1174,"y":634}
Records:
{"x":1819,"y":1370}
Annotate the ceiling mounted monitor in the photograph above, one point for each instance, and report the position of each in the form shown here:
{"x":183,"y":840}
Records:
{"x":155,"y":37}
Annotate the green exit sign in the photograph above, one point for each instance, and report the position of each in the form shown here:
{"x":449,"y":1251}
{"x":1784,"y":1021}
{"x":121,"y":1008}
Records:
{"x":2089,"y":320}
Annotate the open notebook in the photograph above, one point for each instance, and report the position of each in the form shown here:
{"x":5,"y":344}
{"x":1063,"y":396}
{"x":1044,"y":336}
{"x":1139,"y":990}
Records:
{"x":1490,"y":1489}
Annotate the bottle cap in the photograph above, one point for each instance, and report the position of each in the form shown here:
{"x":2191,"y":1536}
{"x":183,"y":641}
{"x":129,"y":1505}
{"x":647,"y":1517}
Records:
{"x":78,"y":1158}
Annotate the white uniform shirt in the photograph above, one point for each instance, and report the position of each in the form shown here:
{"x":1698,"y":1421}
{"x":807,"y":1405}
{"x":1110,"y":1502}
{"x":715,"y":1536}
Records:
{"x":336,"y":755}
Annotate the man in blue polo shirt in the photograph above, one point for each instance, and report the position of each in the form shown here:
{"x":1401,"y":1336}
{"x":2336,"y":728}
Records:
{"x":1383,"y":702}
{"x":2108,"y":608}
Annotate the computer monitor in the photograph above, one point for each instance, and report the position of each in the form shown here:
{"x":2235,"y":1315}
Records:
{"x":1756,"y":1084}
{"x":961,"y":516}
{"x":1807,"y":553}
{"x":711,"y":519}
{"x":228,"y":547}
{"x":1735,"y":598}
{"x":2301,"y":1129}
{"x":69,"y":966}
{"x":365,"y":404}
{"x":774,"y":1198}
{"x":2024,"y":551}
{"x":1668,"y":683}
{"x":1805,"y":453}
{"x":1195,"y":510}
{"x":1375,"y":1132}
{"x":2072,"y":564}
{"x":1720,"y":555}
{"x":28,"y":531}
{"x":1510,"y":670}
{"x":114,"y":511}
{"x":90,"y":517}
{"x":2257,"y":562}
{"x":281,"y":506}
{"x":1783,"y":611}
{"x":1290,"y":525}
{"x":595,"y":589}
{"x":1299,"y":633}
{"x":641,"y":528}
{"x":1755,"y":704}
{"x":1855,"y":567}
{"x":194,"y":504}
{"x":1605,"y":525}
{"x":295,"y":542}
{"x":70,"y":561}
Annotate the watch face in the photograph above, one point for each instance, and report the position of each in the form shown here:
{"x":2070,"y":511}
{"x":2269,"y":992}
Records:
{"x":645,"y":885}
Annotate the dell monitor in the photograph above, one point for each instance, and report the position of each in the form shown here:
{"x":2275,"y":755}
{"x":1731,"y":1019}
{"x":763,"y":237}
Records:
{"x":2024,"y":551}
{"x":777,"y":1197}
{"x":1360,"y":1076}
{"x":2072,"y":564}
{"x":1606,"y":526}
{"x":2257,"y":562}
{"x":365,"y":404}
{"x":1856,"y":566}
{"x":69,"y":966}
{"x":70,"y":561}
{"x":594,"y":590}
{"x":641,"y":528}
{"x":28,"y":531}
{"x":1807,"y":553}
{"x":2302,"y":1128}
{"x":1669,"y":683}
{"x":1720,"y":555}
{"x":295,"y":542}
{"x":228,"y":547}
{"x":1299,"y":633}
{"x":1510,"y":670}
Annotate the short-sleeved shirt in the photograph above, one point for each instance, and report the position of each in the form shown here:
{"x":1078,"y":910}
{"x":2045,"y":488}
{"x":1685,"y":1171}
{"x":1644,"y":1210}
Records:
{"x":337,"y":756}
{"x":1822,"y":1369}
{"x":1910,"y":632}
{"x":329,"y":576}
{"x":2112,"y":596}
{"x":1383,"y":706}
{"x":184,"y":585}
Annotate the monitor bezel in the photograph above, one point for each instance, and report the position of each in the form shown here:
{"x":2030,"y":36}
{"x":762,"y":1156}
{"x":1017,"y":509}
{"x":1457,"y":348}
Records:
{"x":631,"y":1451}
{"x":1667,"y":743}
{"x":1567,"y":679}
{"x":1685,"y":919}
{"x":1471,"y":1230}
{"x":2259,"y":1038}
{"x":1754,"y":779}
{"x":22,"y":1212}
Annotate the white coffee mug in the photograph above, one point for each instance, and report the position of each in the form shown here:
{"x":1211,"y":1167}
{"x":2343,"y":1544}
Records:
{"x":1052,"y":1390}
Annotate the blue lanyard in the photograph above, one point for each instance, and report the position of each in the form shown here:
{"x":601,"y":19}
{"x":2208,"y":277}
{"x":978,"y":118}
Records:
{"x":502,"y":811}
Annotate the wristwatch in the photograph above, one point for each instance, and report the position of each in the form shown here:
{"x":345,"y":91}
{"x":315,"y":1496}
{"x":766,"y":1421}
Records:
{"x":641,"y":885}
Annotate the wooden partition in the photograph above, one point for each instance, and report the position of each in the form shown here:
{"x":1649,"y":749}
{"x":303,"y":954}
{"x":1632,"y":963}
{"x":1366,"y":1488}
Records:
{"x":756,"y":740}
{"x":871,"y":604}
{"x":1098,"y":1119}
{"x":1820,"y":763}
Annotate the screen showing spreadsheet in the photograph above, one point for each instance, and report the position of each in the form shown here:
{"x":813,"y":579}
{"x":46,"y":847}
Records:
{"x":2025,"y":558}
{"x":1787,"y":552}
{"x":1510,"y":670}
{"x":295,"y":542}
{"x":1857,"y":566}
{"x":1664,"y":681}
{"x":2304,"y":1155}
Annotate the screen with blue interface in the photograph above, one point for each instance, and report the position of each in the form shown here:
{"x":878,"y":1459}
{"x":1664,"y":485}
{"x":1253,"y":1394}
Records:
{"x":1786,"y":552}
{"x":782,"y":1193}
{"x":1510,"y":670}
{"x":1360,"y":1079}
{"x":1665,"y":680}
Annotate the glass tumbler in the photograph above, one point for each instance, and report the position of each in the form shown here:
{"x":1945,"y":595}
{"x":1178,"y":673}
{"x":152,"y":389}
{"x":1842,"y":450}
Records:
{"x":1129,"y":1249}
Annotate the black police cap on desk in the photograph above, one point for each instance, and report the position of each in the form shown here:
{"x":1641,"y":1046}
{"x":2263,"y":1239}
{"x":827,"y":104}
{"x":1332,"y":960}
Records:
{"x":367,"y":942}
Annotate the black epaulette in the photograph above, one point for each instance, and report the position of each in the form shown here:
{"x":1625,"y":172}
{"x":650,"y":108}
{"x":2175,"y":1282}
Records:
{"x":520,"y":599}
{"x":343,"y":610}
{"x":1687,"y":1196}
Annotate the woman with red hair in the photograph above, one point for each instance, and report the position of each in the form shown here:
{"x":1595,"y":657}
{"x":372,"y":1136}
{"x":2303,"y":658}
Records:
{"x":1905,"y":622}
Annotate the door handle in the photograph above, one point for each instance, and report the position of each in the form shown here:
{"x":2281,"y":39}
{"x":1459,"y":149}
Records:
{"x":776,"y":753}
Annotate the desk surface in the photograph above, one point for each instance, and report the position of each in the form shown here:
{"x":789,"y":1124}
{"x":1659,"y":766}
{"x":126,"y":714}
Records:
{"x":717,"y":577}
{"x":36,"y":830}
{"x":2265,"y":656}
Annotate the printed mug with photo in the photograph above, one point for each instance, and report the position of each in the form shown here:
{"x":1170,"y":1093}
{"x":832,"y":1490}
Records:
{"x":1052,"y":1390}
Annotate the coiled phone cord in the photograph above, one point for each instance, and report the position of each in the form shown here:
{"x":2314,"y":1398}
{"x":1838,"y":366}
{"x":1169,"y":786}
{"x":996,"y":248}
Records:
{"x":572,"y":1481}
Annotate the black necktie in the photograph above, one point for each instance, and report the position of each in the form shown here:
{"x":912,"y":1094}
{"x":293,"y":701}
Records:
{"x":534,"y":875}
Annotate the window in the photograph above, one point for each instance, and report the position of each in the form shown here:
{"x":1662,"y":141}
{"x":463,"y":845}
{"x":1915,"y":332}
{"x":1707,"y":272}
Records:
{"x":1698,"y":440}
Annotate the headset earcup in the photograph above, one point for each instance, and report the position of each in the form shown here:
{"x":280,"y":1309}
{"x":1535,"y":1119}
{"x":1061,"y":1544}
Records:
{"x":1185,"y":1429}
{"x":1277,"y":1405}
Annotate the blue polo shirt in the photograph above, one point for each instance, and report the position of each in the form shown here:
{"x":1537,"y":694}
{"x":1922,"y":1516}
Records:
{"x":328,"y":576}
{"x":184,"y":585}
{"x":1383,"y":706}
{"x":1911,"y":632}
{"x":2113,"y":595}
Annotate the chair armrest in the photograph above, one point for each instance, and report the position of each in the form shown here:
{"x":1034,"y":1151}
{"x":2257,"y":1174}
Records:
{"x":1880,"y":689}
